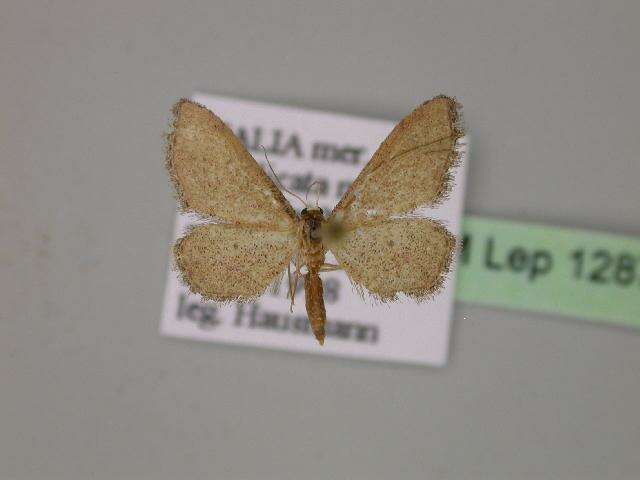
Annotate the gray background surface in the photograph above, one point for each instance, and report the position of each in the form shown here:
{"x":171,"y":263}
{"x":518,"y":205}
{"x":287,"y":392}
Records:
{"x":88,"y":389}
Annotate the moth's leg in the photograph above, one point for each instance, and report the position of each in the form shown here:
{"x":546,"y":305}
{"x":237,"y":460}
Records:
{"x":289,"y":280}
{"x":329,"y":267}
{"x":293,"y":288}
{"x":296,"y":277}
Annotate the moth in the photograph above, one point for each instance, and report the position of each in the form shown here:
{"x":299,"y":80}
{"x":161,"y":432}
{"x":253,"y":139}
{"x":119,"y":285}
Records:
{"x":252,"y":234}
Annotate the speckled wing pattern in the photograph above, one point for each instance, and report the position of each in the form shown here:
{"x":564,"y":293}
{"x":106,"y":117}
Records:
{"x":216,"y":177}
{"x":253,"y":237}
{"x":232,"y":262}
{"x":403,"y":255}
{"x":379,"y":250}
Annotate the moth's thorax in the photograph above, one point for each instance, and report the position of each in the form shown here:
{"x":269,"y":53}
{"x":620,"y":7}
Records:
{"x":310,"y":236}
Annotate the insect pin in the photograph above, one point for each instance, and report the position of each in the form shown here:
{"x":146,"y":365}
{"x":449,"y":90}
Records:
{"x":253,"y":234}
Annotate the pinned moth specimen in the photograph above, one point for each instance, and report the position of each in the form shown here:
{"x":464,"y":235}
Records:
{"x":253,"y":234}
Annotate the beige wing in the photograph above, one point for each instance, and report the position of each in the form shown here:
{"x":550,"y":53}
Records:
{"x":410,"y":169}
{"x":232,"y":262}
{"x":215,"y":176}
{"x":404,"y":255}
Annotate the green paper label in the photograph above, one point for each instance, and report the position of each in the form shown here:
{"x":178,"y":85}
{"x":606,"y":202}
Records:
{"x":588,"y":275}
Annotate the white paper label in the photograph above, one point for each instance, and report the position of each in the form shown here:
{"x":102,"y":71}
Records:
{"x":305,"y":146}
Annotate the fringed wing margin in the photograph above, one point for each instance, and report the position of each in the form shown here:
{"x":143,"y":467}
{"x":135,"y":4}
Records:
{"x":227,"y":263}
{"x":385,"y":259}
{"x":411,"y":169}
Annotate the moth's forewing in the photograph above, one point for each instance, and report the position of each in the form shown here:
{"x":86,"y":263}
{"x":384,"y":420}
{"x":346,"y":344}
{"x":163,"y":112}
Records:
{"x":402,"y":185}
{"x":405,"y":255}
{"x":410,"y":169}
{"x":226,"y":262}
{"x":214,"y":174}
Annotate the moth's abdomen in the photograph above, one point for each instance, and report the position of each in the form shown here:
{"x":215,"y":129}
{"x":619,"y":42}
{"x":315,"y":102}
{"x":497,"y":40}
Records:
{"x":315,"y":304}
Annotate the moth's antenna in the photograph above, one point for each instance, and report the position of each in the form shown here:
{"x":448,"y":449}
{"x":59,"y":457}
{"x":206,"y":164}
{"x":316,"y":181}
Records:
{"x":279,"y":182}
{"x":315,"y":182}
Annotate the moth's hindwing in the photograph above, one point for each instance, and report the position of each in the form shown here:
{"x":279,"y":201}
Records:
{"x":405,"y":255}
{"x":228,"y":262}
